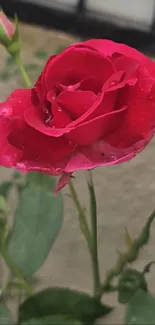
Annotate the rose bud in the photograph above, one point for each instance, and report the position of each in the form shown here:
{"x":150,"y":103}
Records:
{"x":9,"y":34}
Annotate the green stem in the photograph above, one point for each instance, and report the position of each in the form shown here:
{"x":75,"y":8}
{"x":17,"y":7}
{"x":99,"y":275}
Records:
{"x":82,"y":218}
{"x":93,"y":209}
{"x":8,"y":260}
{"x":23,"y":71}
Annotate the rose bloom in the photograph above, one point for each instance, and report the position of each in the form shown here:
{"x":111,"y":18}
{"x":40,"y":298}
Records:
{"x":93,"y":105}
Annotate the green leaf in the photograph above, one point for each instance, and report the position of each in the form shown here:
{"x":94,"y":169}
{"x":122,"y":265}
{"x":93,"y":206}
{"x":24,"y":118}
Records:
{"x":38,"y":219}
{"x":63,"y":301}
{"x":5,"y":188}
{"x":3,"y":231}
{"x":52,"y":320}
{"x":41,"y":54}
{"x":141,"y":309}
{"x":5,"y":316}
{"x":129,"y":282}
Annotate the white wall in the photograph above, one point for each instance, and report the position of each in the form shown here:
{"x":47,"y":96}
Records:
{"x":131,"y":13}
{"x":126,"y":12}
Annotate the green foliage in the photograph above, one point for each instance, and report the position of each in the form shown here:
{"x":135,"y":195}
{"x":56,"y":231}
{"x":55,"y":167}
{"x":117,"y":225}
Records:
{"x":141,"y":309}
{"x":5,"y":316}
{"x":130,"y":281}
{"x":2,"y":231}
{"x":5,"y":187}
{"x":65,"y":302}
{"x":38,"y":219}
{"x":52,"y":320}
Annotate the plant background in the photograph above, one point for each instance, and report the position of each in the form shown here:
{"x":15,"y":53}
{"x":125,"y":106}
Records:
{"x":125,"y":193}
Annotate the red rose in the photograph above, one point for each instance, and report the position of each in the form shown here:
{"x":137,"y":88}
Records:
{"x":93,"y":105}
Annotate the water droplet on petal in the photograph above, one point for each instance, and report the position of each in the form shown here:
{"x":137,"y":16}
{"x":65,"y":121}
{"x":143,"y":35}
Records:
{"x":53,"y":126}
{"x":53,"y":97}
{"x":70,"y":88}
{"x":113,"y":83}
{"x":59,"y":109}
{"x":21,"y":166}
{"x":5,"y":110}
{"x":58,"y":170}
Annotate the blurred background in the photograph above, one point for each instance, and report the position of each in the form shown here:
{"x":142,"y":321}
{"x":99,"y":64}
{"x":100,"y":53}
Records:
{"x":131,"y":22}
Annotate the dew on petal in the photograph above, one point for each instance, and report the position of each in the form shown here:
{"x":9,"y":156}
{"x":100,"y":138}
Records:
{"x":58,"y":171}
{"x":70,"y":88}
{"x":21,"y":166}
{"x":59,"y":109}
{"x":6,"y":110}
{"x":113,"y":83}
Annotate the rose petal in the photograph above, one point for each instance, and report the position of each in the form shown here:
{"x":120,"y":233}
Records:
{"x":90,"y":131}
{"x":77,"y":102}
{"x":40,"y":152}
{"x":87,"y":63}
{"x":139,"y":119}
{"x":63,"y":181}
{"x":103,"y":154}
{"x":108,"y":48}
{"x":16,"y":104}
{"x":34,"y":119}
{"x":9,"y":155}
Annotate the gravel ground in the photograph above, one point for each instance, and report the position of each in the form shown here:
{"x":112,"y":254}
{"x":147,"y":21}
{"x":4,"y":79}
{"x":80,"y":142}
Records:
{"x":126,"y":195}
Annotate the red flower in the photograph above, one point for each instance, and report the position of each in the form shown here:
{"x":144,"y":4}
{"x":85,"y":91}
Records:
{"x":93,"y":105}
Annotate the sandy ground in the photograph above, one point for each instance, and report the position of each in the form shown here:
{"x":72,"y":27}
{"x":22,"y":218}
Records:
{"x":126,"y":196}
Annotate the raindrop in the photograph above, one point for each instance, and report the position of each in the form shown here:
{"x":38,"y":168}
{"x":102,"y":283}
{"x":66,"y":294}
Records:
{"x":59,"y":109}
{"x":58,"y":170}
{"x":113,"y":83}
{"x":113,"y":157}
{"x":70,"y":88}
{"x":53,"y":97}
{"x":21,"y":165}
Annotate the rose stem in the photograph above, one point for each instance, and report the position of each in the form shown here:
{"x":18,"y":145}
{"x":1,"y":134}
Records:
{"x":93,"y":210}
{"x":16,"y":272}
{"x":23,"y":72}
{"x":82,"y":218}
